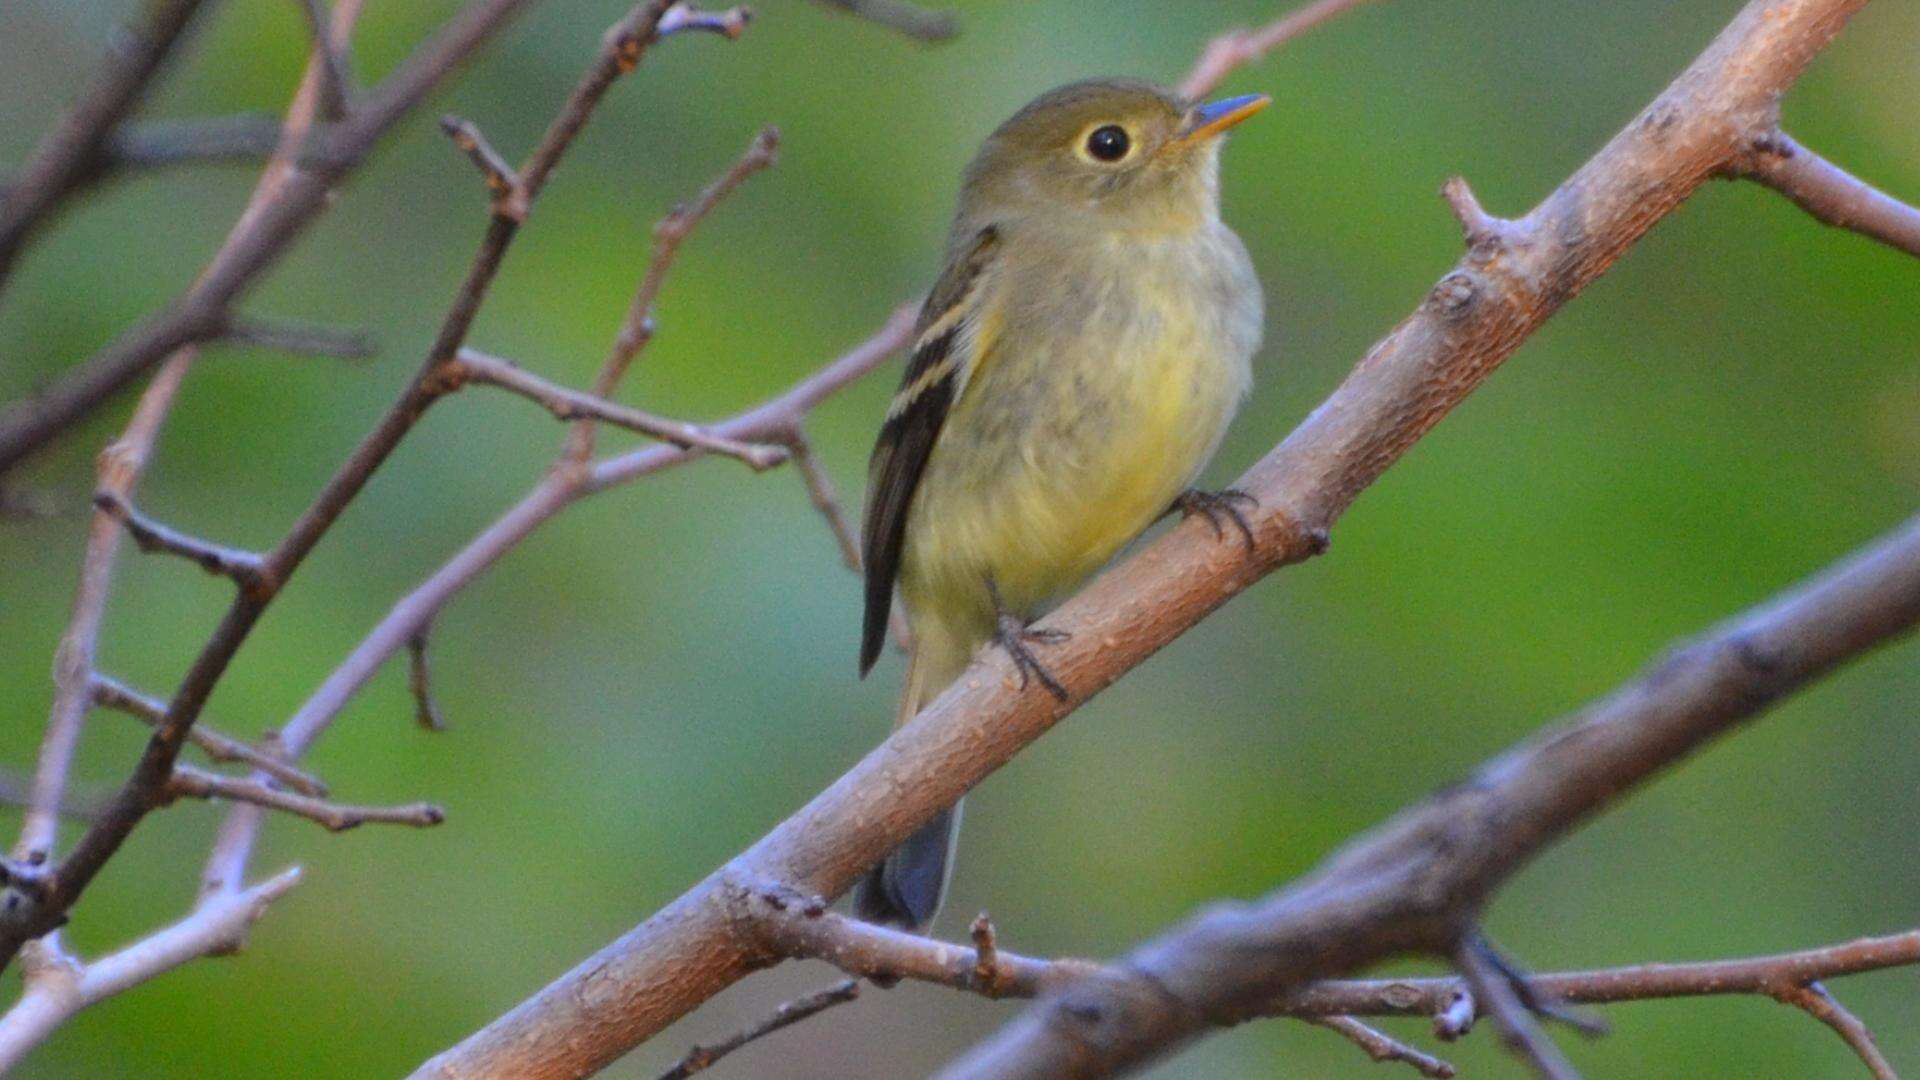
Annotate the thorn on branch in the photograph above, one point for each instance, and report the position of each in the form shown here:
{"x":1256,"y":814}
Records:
{"x":426,"y":711}
{"x":110,"y":693}
{"x":729,"y":24}
{"x":242,"y":567}
{"x":1484,"y":233}
{"x":303,"y":338}
{"x":1814,"y":1000}
{"x":702,"y":1058}
{"x":194,"y":783}
{"x":908,"y":19}
{"x":1382,"y":1047}
{"x":510,"y":200}
{"x":988,"y":977}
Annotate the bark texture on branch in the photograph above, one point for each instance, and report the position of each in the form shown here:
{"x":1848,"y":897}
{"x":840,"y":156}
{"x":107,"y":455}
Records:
{"x":1515,"y":275}
{"x":1420,"y":879}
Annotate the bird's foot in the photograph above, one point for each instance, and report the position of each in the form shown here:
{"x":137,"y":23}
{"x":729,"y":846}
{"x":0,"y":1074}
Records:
{"x":1528,"y":996}
{"x":1013,"y":635}
{"x":1219,"y":507}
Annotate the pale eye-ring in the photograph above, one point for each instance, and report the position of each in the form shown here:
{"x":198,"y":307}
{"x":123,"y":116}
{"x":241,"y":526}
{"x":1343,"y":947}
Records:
{"x":1108,"y":143}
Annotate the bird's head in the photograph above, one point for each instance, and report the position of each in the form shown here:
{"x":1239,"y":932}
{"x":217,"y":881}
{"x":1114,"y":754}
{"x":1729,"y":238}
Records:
{"x":1107,"y":153}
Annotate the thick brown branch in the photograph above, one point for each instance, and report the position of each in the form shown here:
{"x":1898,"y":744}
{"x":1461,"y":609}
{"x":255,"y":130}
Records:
{"x":1477,"y":316}
{"x":914,"y":22}
{"x":568,"y":404}
{"x":1828,"y":192}
{"x":1415,"y":881}
{"x":702,"y":1058}
{"x":1236,"y":49}
{"x":74,"y":148}
{"x":191,"y":783}
{"x":110,"y":693}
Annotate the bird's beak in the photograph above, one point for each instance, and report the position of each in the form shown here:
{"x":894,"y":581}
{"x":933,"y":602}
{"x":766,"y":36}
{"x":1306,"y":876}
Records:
{"x":1212,"y":119}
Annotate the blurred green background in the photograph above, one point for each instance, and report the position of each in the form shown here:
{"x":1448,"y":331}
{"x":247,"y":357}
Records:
{"x":665,"y":671}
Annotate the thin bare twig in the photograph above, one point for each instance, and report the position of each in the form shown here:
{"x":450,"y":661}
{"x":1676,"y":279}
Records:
{"x":502,"y":179}
{"x":821,"y":493}
{"x":636,"y":329}
{"x":560,"y":489}
{"x":306,"y":339}
{"x":336,"y":80}
{"x":192,"y":783}
{"x":61,"y":162}
{"x":567,"y":404}
{"x":793,"y":925}
{"x":158,"y":144}
{"x":426,"y":711}
{"x":1382,"y":1047}
{"x":621,"y":50}
{"x":110,"y":693}
{"x":1828,"y":192}
{"x":702,"y":1058}
{"x":913,"y":21}
{"x":729,"y":24}
{"x":1814,"y":1000}
{"x":264,"y":235}
{"x":1237,"y":48}
{"x":58,"y":986}
{"x":243,"y":567}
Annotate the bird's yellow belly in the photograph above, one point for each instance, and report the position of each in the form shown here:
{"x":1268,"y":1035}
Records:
{"x":1080,"y":454}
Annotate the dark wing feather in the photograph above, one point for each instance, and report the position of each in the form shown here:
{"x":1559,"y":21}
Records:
{"x":912,"y":426}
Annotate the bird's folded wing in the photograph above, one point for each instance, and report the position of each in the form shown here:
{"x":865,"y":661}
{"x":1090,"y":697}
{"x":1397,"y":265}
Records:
{"x":944,"y":350}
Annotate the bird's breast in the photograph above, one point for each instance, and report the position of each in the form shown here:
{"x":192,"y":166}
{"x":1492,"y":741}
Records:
{"x":1103,"y":385}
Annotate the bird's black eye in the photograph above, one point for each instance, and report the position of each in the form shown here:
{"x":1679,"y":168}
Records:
{"x":1109,"y":143}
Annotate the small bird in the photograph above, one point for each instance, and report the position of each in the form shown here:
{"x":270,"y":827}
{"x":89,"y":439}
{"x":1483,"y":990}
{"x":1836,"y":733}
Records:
{"x":1074,"y":368}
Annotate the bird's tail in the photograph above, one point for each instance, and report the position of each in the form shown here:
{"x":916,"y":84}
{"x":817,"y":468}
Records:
{"x":906,"y":889}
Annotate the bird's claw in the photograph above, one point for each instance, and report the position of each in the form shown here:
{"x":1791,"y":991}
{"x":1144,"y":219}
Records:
{"x":1014,"y":636}
{"x":1219,"y":507}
